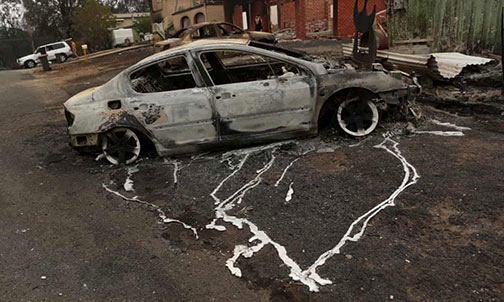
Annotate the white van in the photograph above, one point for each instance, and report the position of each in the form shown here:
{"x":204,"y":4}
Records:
{"x":124,"y":37}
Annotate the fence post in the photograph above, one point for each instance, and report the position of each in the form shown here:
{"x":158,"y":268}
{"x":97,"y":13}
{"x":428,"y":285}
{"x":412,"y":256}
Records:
{"x":502,"y":50}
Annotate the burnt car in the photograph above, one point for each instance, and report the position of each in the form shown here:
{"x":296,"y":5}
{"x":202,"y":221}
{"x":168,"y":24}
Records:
{"x":214,"y":93}
{"x":212,"y":30}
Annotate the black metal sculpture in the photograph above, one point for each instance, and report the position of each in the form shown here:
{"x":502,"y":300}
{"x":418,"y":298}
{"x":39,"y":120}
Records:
{"x":364,"y":25}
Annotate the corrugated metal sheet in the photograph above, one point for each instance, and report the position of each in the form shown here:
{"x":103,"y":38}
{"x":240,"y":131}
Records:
{"x":450,"y":64}
{"x":439,"y":66}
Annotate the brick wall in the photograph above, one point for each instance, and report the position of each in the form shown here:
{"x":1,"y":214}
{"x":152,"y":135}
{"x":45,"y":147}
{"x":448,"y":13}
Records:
{"x":287,"y":15}
{"x":316,"y":15}
{"x":301,"y":13}
{"x":346,"y":27}
{"x":237,"y":16}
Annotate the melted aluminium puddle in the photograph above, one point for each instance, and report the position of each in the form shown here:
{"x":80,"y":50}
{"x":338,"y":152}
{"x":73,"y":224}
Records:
{"x":309,"y":277}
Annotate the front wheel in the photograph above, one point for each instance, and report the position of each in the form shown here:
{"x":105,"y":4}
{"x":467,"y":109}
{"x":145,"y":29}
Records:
{"x":357,"y":116}
{"x":121,"y":146}
{"x":29,"y":64}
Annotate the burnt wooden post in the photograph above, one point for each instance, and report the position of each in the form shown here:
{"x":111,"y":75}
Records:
{"x":364,"y":25}
{"x":502,"y":50}
{"x":335,"y":17}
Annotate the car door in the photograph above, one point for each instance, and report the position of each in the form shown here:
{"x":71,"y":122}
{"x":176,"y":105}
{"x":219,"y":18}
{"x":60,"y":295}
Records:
{"x":38,"y":53}
{"x":172,"y":103}
{"x":51,"y":52}
{"x":251,"y":100}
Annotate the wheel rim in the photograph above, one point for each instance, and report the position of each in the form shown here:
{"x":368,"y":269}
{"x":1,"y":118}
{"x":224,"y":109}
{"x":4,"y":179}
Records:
{"x":31,"y":64}
{"x":62,"y":59}
{"x":120,"y":146}
{"x":358,"y":117}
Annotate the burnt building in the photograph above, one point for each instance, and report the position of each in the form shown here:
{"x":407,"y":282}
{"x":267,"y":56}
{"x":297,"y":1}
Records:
{"x":304,"y":18}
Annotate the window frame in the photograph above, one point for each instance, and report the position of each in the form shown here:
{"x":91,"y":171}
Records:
{"x":197,"y":80}
{"x":198,"y":30}
{"x":241,"y":30}
{"x":198,"y":54}
{"x":56,"y":48}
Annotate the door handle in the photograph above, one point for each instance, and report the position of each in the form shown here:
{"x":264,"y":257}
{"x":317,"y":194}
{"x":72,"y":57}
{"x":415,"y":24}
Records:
{"x":266,"y":84}
{"x":283,"y":80}
{"x":225,"y":95}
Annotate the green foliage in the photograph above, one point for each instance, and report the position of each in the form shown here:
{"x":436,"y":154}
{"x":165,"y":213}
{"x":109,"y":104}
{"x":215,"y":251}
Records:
{"x":51,"y":17}
{"x":93,"y":21}
{"x":142,"y":25}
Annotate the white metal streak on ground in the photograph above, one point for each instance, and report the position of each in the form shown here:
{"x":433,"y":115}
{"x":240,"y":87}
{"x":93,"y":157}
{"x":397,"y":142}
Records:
{"x":128,"y":184}
{"x":449,"y":125}
{"x":441,"y":133}
{"x":285,"y":172}
{"x":290,"y":165}
{"x":160,"y":212}
{"x":290,"y":192}
{"x":410,"y":178}
{"x":175,"y":165}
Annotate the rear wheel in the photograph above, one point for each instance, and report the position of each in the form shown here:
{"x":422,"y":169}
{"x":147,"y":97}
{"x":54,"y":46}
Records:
{"x":121,"y":146}
{"x":61,"y":58}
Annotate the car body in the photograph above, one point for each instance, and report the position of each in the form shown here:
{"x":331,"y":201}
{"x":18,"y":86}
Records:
{"x":212,"y":30}
{"x":58,"y":51}
{"x":215,"y":93}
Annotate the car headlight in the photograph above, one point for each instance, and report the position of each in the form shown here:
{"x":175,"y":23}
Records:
{"x":69,"y":117}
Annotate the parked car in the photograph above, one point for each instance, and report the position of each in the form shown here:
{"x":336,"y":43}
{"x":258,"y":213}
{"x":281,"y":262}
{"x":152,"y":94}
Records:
{"x":124,"y":37}
{"x":215,"y":93}
{"x":59,"y":51}
{"x":212,"y":30}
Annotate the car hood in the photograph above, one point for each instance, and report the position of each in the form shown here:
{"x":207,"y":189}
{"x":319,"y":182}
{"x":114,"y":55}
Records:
{"x":82,"y":98}
{"x":96,"y":95}
{"x":32,"y":57}
{"x":259,"y":35}
{"x":167,"y":41}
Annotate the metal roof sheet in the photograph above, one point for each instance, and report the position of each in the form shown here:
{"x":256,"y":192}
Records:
{"x":440,"y":66}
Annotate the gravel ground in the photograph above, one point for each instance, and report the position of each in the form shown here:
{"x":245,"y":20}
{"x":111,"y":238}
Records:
{"x":440,"y":239}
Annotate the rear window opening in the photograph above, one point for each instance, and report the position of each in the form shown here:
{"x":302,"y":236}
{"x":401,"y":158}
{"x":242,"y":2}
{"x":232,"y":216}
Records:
{"x":228,"y":67}
{"x":168,"y":75}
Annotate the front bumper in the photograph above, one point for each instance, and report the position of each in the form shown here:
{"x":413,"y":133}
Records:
{"x":80,"y":140}
{"x":86,"y":140}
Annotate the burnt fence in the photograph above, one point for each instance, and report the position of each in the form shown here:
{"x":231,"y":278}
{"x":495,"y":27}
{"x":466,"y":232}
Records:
{"x":454,"y":25}
{"x":11,"y":49}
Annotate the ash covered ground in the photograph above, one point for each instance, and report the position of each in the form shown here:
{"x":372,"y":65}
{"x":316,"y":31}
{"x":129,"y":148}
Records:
{"x":94,"y":238}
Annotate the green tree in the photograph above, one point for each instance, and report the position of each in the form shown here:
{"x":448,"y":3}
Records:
{"x":50,"y":17}
{"x":142,"y":25}
{"x":93,"y":21}
{"x":129,"y":6}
